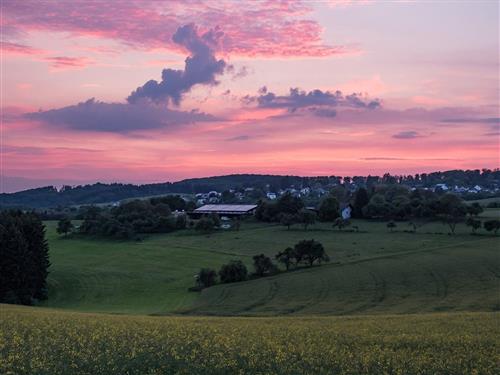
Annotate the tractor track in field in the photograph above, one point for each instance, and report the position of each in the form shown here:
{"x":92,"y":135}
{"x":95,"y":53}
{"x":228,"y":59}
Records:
{"x":441,"y":285}
{"x":271,"y":293}
{"x":380,"y":291}
{"x":210,"y":251}
{"x":322,"y":294}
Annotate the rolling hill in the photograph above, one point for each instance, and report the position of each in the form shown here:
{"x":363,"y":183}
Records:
{"x":372,"y":271}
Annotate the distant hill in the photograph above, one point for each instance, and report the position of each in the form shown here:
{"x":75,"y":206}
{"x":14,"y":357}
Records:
{"x":49,"y":196}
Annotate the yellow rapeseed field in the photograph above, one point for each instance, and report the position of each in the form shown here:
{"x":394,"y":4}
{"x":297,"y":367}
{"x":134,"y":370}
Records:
{"x":41,"y":341}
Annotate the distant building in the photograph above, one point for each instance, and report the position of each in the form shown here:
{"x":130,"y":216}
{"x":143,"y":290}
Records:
{"x":225,"y":209}
{"x":442,"y":187}
{"x":346,"y":212}
{"x":271,"y":196}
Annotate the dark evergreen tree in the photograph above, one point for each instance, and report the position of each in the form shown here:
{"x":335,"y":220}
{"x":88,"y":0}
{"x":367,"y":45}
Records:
{"x":24,"y":258}
{"x":361,"y":199}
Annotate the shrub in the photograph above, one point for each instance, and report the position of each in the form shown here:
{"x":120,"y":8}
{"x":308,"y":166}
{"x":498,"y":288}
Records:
{"x":205,"y":224}
{"x":233,"y":272}
{"x":206,"y":277}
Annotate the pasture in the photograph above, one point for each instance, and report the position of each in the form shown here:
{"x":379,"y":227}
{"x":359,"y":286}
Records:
{"x":371,"y":272}
{"x":46,"y":342}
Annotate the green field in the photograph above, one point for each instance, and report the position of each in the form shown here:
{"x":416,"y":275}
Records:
{"x":483,"y":202}
{"x":372,"y":271}
{"x":46,"y":342}
{"x":387,"y":303}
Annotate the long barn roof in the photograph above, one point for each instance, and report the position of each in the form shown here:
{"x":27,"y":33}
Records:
{"x":226,"y":208}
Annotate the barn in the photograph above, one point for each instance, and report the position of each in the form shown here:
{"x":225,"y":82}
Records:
{"x":225,"y":210}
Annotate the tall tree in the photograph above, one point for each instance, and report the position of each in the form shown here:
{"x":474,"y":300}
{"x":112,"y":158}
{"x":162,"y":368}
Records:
{"x":263,"y":265}
{"x":64,"y":226}
{"x":307,"y":217}
{"x":361,"y":199}
{"x":310,"y":251}
{"x":24,"y":258}
{"x":286,"y":257}
{"x":328,"y":209}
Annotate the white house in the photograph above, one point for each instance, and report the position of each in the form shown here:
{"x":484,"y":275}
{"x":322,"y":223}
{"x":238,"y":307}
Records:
{"x":443,"y":187}
{"x":346,"y":212}
{"x":271,"y":196}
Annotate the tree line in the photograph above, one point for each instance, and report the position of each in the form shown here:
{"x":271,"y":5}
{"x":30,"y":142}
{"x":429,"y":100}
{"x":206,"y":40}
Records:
{"x":129,"y":220}
{"x":305,"y":252}
{"x":102,"y":193}
{"x":384,"y":202}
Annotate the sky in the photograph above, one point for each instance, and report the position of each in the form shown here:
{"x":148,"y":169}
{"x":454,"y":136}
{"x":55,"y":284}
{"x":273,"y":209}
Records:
{"x":139,"y":91}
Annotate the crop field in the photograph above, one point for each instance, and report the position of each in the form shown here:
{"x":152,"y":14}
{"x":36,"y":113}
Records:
{"x":372,"y":271}
{"x":47,"y":342}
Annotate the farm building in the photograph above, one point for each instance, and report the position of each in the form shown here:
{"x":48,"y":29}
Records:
{"x":225,"y":209}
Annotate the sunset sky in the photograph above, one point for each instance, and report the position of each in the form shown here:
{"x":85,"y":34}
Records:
{"x":137,"y":91}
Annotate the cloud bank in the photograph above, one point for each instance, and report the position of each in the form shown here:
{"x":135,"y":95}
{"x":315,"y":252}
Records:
{"x":93,"y":115}
{"x":317,"y":102}
{"x":282,"y":28}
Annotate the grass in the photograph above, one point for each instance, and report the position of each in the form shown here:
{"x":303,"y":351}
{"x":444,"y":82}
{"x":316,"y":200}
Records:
{"x":373,"y":272}
{"x":43,"y":342}
{"x":484,"y":201}
{"x":490,"y":213}
{"x":123,"y":276}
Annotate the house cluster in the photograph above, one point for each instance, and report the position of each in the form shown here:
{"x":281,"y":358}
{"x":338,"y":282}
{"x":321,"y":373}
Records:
{"x":318,"y":190}
{"x":297,"y":192}
{"x":461,"y":189}
{"x":210,"y":197}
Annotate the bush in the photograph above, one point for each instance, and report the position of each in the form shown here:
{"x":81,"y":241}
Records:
{"x":205,"y":224}
{"x":233,"y":272}
{"x":206,"y":277}
{"x":129,"y":219}
{"x":492,"y":225}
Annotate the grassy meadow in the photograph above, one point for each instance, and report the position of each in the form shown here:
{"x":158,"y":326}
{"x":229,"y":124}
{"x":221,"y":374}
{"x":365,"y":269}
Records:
{"x":47,"y":342}
{"x":373,"y":271}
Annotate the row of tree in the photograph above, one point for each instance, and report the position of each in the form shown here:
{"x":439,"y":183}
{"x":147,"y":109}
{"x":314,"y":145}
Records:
{"x":385,"y":202}
{"x":128,"y":220}
{"x":24,"y":258}
{"x":307,"y":252}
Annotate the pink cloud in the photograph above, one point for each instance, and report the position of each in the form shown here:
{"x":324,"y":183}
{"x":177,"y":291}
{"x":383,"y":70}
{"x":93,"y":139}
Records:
{"x":19,"y":49}
{"x":65,"y":62}
{"x":263,"y":28}
{"x":55,"y":62}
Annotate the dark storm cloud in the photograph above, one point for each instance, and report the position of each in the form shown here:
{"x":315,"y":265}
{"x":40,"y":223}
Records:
{"x":201,"y":67}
